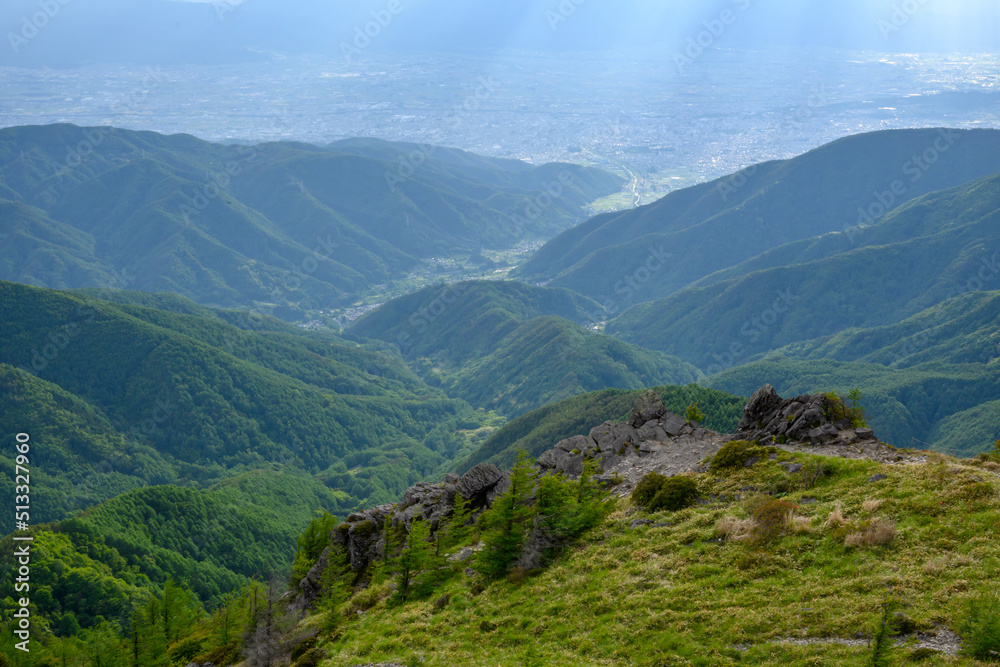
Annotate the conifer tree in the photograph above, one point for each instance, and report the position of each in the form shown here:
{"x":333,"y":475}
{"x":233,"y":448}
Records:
{"x":504,"y":526}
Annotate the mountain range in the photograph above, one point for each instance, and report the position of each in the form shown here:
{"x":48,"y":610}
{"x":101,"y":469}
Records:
{"x":280,"y":227}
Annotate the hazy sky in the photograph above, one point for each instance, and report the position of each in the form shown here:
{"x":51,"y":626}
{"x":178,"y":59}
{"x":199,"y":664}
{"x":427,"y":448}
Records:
{"x":66,"y":33}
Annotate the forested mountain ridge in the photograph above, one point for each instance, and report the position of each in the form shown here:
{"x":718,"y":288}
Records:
{"x":841,"y":186}
{"x":511,"y":347}
{"x":285,"y":226}
{"x":183,"y":399}
{"x":925,"y":252}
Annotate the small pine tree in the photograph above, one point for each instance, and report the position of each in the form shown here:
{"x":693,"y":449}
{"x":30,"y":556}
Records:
{"x":413,"y":559}
{"x":693,"y":414}
{"x":454,"y":531}
{"x":504,"y":526}
{"x":882,"y":645}
{"x":857,"y":412}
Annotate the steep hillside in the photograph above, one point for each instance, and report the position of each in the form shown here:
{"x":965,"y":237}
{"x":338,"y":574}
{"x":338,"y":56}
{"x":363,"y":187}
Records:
{"x":130,"y":396}
{"x":283,"y":226}
{"x":511,"y":347}
{"x":922,"y":254}
{"x":648,"y":253}
{"x":823,"y":547}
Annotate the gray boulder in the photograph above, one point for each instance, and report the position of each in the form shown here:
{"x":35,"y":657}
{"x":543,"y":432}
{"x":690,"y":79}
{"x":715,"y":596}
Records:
{"x":482,"y":484}
{"x":648,"y":407}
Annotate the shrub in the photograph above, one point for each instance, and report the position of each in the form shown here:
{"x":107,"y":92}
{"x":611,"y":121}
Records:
{"x":980,"y":629}
{"x":675,"y":494}
{"x":311,"y":658}
{"x":693,"y":414}
{"x":647,"y":488}
{"x":771,"y":516}
{"x":734,"y":454}
{"x":656,"y":492}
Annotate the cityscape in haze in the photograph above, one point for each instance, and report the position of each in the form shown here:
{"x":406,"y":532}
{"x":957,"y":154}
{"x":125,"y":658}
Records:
{"x":542,"y":333}
{"x":642,"y":117}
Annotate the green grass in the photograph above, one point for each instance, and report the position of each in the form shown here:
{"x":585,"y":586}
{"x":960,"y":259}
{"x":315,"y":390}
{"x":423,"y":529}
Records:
{"x":675,"y":596}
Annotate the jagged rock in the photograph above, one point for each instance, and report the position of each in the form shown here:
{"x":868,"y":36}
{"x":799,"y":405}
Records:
{"x":672,"y":424}
{"x":482,"y":484}
{"x":451,"y":478}
{"x":430,"y":502}
{"x":640,"y":522}
{"x":611,"y":438}
{"x":877,"y":478}
{"x":539,"y":541}
{"x":651,"y":431}
{"x":310,"y":584}
{"x":762,"y":404}
{"x":648,"y":407}
{"x":563,"y":459}
{"x":864,"y":433}
{"x":462,"y":556}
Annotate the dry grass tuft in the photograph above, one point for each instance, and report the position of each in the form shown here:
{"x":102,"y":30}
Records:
{"x":797,"y":524}
{"x":836,"y":517}
{"x":877,"y":533}
{"x":735,"y":529}
{"x":936,"y":565}
{"x":871,"y":506}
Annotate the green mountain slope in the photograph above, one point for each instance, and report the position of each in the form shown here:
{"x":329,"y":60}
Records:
{"x":283,"y":226}
{"x":511,"y":347}
{"x":155,"y":397}
{"x":923,"y":253}
{"x":109,"y":559}
{"x":711,"y":227}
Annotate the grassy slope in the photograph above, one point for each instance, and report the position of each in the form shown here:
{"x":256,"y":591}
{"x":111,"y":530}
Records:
{"x":677,"y":596}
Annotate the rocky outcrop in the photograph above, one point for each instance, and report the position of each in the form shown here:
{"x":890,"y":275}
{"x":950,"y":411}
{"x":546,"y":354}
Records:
{"x":652,"y":439}
{"x":619,"y":449}
{"x":811,"y":418}
{"x":362,"y":536}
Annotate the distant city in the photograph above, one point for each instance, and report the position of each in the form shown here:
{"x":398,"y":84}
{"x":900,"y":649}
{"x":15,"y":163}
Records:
{"x":659,"y":127}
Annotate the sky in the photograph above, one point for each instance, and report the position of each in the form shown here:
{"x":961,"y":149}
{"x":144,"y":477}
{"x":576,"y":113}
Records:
{"x":70,"y":33}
